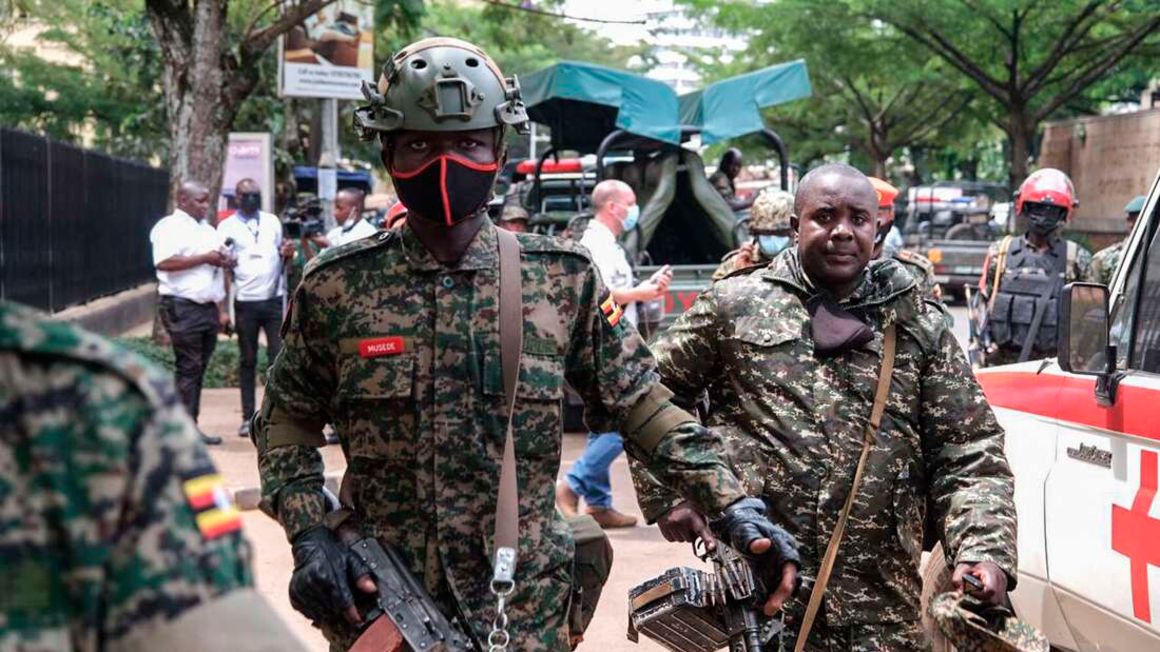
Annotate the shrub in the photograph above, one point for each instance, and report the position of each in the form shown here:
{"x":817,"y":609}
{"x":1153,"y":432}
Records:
{"x":223,"y":365}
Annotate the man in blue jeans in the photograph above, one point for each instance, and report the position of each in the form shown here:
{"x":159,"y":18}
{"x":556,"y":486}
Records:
{"x":616,"y":212}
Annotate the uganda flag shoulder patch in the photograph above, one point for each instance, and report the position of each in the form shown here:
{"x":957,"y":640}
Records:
{"x":212,"y":506}
{"x":611,"y":311}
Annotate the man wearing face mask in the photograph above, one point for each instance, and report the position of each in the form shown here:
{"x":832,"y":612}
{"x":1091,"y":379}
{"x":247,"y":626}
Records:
{"x":769,"y":224}
{"x":259,"y":284}
{"x":348,"y":209}
{"x":616,"y":212}
{"x":794,"y":359}
{"x":1024,"y":275}
{"x":918,"y":265}
{"x":394,"y":340}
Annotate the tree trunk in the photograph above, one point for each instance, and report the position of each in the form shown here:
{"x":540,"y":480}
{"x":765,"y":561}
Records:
{"x":199,"y":113}
{"x":1021,"y":134}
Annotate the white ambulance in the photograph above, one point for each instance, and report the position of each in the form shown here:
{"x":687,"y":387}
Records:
{"x":1083,"y":440}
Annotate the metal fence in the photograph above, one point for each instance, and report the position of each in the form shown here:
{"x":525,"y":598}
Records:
{"x":74,"y":223}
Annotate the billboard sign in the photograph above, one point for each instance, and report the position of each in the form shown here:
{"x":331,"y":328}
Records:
{"x":331,"y":53}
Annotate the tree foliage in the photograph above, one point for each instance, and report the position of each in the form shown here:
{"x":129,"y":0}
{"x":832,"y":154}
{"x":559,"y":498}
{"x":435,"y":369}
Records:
{"x":875,"y":92}
{"x":1031,"y":59}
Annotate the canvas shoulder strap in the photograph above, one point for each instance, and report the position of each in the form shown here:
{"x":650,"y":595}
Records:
{"x":827,"y":565}
{"x":511,"y":339}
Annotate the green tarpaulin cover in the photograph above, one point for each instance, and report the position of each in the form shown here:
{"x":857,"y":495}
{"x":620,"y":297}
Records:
{"x":732,"y":107}
{"x":582,"y":103}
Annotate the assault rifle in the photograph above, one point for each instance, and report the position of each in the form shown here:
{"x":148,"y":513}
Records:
{"x":402,"y":617}
{"x":690,"y":610}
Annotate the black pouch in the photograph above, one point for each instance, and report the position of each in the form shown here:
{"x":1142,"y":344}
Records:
{"x":592,"y":564}
{"x":834,"y":328}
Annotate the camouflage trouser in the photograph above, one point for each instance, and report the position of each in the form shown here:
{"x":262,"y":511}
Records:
{"x":882,"y":637}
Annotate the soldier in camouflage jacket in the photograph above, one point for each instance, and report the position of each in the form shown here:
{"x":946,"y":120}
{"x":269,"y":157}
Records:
{"x":794,"y":420}
{"x":395,"y":341}
{"x":115,"y":531}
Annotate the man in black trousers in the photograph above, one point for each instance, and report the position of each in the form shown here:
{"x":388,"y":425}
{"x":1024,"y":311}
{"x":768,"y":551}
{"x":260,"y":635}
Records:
{"x":189,"y":255}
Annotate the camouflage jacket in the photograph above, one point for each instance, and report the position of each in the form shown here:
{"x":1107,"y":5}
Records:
{"x":115,"y":530}
{"x":922,"y":270}
{"x":401,"y":354}
{"x":1105,"y":262}
{"x":730,"y":263}
{"x":794,"y":424}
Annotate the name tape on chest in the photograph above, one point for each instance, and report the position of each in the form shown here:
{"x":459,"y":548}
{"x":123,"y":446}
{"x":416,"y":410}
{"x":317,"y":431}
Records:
{"x":381,"y":346}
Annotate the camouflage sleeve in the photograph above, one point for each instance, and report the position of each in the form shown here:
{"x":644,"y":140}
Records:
{"x":990,"y":266}
{"x":971,"y":486}
{"x":686,"y":357}
{"x":134,"y":528}
{"x":294,"y":411}
{"x":1083,"y":266}
{"x":1099,"y":269}
{"x":612,"y":369}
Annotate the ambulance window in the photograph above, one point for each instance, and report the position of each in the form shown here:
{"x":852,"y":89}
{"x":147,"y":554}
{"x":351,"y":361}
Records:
{"x":1139,"y":335}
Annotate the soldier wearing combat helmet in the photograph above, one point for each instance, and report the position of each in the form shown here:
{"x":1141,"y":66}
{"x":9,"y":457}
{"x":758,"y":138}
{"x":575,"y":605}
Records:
{"x":394,"y":340}
{"x":769,"y":223}
{"x":1023,"y":276}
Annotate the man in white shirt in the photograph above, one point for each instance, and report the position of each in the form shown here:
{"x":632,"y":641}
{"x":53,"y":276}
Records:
{"x":348,"y":210}
{"x":259,"y":284}
{"x":189,"y":256}
{"x":616,"y":212}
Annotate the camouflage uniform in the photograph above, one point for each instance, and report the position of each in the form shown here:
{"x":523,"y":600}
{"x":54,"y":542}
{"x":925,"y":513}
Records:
{"x":1105,"y":262}
{"x":794,"y":424}
{"x":423,"y":429}
{"x":1078,"y":267}
{"x":922,"y":270}
{"x":115,"y":532}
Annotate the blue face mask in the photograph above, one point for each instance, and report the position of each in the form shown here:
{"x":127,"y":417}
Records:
{"x":631,"y":217}
{"x":771,"y":245}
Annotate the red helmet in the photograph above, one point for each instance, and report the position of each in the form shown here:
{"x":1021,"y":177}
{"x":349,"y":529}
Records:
{"x":1047,"y":186}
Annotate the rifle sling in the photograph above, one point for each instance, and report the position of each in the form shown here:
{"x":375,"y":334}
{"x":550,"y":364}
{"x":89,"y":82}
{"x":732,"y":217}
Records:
{"x":511,"y":343}
{"x":827,"y":565}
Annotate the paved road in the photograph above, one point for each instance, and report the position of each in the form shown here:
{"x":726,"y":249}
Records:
{"x":641,"y":552}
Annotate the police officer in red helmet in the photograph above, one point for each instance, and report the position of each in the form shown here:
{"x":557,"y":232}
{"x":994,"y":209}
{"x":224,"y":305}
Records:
{"x":1024,"y":275}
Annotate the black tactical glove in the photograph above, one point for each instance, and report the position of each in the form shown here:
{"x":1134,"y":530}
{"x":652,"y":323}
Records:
{"x":324,"y":572}
{"x":744,"y":522}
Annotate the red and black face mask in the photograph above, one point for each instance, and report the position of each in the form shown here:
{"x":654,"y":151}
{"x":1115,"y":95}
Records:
{"x":448,"y":188}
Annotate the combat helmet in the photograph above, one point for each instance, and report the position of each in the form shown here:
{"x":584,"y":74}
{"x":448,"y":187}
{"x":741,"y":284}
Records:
{"x":972,"y":625}
{"x":771,"y":211}
{"x":440,"y":84}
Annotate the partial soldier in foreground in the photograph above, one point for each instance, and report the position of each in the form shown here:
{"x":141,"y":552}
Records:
{"x":918,"y":265}
{"x":790,"y":355}
{"x":1024,"y":275}
{"x":115,"y":530}
{"x":394,"y":340}
{"x":769,"y":224}
{"x":1105,"y":261}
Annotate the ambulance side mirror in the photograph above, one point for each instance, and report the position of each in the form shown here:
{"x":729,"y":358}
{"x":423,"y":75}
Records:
{"x":1083,"y":330}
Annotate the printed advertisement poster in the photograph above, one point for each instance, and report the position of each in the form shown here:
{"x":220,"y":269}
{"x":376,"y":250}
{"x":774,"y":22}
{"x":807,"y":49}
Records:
{"x":331,"y":53}
{"x":251,"y":156}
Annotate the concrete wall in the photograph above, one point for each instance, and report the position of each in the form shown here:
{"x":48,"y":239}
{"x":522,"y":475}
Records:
{"x":1110,"y":160}
{"x":114,"y":315}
